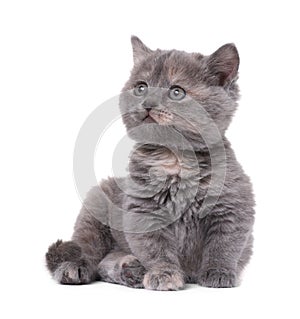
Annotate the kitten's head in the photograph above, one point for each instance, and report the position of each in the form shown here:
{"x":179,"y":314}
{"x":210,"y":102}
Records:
{"x":170,"y":87}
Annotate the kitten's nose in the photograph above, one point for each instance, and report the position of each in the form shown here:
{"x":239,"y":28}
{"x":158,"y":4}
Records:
{"x":149,"y":103}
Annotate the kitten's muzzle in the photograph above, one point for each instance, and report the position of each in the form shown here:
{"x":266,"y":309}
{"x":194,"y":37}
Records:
{"x":149,"y":103}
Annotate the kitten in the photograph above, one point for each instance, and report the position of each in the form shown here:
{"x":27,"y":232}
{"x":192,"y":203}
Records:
{"x":185,"y":213}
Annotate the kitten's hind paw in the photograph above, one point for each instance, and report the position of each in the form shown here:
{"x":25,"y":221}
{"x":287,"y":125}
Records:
{"x":132,"y":272}
{"x":60,"y":252}
{"x":218,"y":278}
{"x":73,"y":273}
{"x":163,"y":280}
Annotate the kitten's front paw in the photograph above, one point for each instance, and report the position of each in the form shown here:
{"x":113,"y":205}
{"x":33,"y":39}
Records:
{"x":163,"y":280}
{"x":217,"y":278}
{"x":73,"y":273}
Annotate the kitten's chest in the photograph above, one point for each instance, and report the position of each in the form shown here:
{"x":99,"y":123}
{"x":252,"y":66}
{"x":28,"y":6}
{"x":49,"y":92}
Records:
{"x":168,"y":176}
{"x":168,"y":188}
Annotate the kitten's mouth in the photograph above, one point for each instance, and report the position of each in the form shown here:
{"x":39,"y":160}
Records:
{"x":161,"y":117}
{"x":149,"y":119}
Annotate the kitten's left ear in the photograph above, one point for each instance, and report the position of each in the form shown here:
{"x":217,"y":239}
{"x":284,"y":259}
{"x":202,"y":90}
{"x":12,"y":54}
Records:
{"x":222,"y":66}
{"x":140,"y":50}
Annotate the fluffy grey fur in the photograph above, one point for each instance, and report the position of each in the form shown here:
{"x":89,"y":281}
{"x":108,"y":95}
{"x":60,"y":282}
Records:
{"x":210,"y":250}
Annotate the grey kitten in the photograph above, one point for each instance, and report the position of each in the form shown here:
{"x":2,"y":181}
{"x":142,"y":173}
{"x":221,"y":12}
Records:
{"x":163,"y":226}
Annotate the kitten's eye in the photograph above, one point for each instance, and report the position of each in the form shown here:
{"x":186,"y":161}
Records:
{"x":176,"y":93}
{"x":140,"y":89}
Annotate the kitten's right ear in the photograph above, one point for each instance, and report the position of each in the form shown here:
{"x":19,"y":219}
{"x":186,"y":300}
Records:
{"x":140,"y":50}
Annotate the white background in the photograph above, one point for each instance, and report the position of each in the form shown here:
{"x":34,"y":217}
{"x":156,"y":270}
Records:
{"x":61,"y":59}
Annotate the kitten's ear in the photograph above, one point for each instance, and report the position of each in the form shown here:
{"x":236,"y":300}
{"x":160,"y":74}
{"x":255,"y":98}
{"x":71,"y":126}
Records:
{"x":222,"y":66}
{"x":140,"y":50}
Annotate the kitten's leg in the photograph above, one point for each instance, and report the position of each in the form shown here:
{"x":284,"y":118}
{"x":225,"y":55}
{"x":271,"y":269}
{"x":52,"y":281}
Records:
{"x":223,"y":245}
{"x":245,"y":256}
{"x":121,"y":268}
{"x":76,"y":261}
{"x":157,"y":252}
